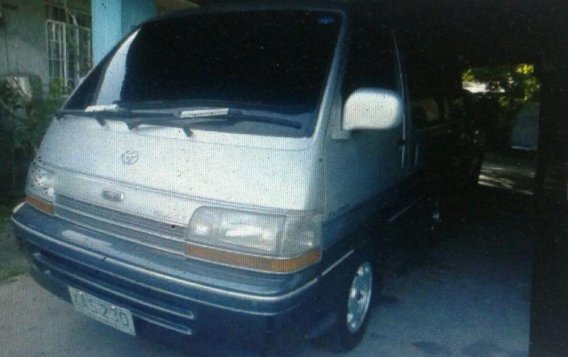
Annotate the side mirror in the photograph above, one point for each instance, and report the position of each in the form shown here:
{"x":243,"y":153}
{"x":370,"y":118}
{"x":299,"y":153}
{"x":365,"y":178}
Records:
{"x":372,"y":109}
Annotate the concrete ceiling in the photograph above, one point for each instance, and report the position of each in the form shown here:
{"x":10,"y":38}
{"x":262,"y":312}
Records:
{"x":173,"y":5}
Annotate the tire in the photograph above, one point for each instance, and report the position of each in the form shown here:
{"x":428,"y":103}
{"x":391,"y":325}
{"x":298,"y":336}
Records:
{"x":356,"y":303}
{"x":475,"y":170}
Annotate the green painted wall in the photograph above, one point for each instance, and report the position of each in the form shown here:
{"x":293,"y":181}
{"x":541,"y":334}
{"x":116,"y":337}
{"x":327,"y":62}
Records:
{"x":112,"y":19}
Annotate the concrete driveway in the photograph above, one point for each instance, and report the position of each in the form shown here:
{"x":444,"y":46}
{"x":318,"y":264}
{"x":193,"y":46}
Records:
{"x":468,"y":295}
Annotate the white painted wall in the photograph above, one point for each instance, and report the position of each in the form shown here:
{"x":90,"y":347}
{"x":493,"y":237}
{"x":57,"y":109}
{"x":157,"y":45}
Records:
{"x":23,"y":47}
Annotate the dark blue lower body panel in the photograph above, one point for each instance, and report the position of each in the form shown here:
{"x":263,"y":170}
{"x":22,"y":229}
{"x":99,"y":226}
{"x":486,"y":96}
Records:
{"x":171,"y":303}
{"x":212,"y":322}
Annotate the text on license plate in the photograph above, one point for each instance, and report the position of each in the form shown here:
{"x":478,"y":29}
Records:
{"x":105,"y":312}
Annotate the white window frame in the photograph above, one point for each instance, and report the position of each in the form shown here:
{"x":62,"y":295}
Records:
{"x":70,"y":63}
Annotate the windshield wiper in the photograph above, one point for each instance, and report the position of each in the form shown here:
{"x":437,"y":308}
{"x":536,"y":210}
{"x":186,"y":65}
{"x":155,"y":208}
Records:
{"x":113,"y":112}
{"x":183,"y":119}
{"x":258,"y":116}
{"x":187,"y":118}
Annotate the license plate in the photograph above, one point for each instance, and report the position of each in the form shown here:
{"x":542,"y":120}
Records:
{"x":105,"y":312}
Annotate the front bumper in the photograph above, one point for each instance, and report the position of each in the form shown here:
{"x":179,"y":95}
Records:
{"x":154,"y":297}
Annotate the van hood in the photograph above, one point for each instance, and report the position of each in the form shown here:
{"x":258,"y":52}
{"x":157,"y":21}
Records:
{"x":88,"y":158}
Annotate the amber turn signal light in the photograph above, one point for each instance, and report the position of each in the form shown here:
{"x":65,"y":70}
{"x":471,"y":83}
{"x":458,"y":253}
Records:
{"x":40,"y":205}
{"x":266,"y":264}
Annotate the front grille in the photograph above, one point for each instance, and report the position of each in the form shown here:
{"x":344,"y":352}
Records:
{"x":145,"y":231}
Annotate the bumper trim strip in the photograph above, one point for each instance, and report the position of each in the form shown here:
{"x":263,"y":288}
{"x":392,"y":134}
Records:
{"x":337,"y":262}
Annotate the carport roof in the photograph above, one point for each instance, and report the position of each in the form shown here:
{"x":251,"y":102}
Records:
{"x":482,"y":32}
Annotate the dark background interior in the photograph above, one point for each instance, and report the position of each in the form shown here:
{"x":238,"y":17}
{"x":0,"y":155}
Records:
{"x":475,"y":33}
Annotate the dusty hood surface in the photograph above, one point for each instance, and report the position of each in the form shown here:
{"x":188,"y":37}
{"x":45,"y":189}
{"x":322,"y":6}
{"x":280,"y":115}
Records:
{"x":162,"y":162}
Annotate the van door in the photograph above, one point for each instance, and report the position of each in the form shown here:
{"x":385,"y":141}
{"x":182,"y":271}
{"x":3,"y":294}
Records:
{"x":364,"y":169}
{"x":373,"y":61}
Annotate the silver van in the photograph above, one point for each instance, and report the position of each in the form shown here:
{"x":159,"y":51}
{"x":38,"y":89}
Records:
{"x":232,"y":169}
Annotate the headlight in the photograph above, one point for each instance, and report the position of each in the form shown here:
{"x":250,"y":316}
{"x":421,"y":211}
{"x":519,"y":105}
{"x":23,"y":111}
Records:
{"x":40,"y":188}
{"x":254,"y":240}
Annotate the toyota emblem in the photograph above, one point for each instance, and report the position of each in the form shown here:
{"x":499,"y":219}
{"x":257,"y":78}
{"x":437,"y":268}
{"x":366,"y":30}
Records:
{"x":130,"y":157}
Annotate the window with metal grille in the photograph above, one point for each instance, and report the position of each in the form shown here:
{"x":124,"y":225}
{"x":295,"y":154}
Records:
{"x":69,"y":46}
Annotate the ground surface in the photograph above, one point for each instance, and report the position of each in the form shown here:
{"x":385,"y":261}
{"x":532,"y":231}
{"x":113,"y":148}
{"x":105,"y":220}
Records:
{"x":512,"y":171}
{"x":468,"y":295}
{"x":12,"y":261}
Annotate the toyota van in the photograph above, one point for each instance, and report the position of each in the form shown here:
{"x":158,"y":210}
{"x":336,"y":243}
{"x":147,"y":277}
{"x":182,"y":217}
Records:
{"x":233,"y":170}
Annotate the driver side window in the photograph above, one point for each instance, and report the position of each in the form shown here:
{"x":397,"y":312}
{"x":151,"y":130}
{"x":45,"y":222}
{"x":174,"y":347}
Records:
{"x":371,"y":60}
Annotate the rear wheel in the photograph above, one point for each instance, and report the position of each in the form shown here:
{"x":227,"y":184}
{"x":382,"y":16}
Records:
{"x":475,"y":170}
{"x":434,"y":216}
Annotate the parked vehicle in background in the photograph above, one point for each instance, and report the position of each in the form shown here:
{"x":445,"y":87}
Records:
{"x":524,"y":128}
{"x":236,"y":169}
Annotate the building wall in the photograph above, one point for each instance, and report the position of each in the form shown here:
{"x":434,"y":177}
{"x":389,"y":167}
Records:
{"x":22,"y":33}
{"x":23,"y":48}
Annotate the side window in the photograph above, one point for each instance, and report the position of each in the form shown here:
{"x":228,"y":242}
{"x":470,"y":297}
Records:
{"x":371,"y":61}
{"x":434,"y":98}
{"x":425,"y":112}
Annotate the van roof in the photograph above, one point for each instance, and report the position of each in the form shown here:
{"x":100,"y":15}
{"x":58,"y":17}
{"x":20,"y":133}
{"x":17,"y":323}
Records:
{"x":235,"y":6}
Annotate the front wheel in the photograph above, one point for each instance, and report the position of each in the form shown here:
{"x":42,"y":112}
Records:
{"x":355,"y":308}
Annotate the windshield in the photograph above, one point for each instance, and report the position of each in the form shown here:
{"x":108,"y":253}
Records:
{"x":275,"y":61}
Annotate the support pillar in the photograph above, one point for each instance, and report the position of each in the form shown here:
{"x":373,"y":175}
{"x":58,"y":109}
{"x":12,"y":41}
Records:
{"x":113,"y":19}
